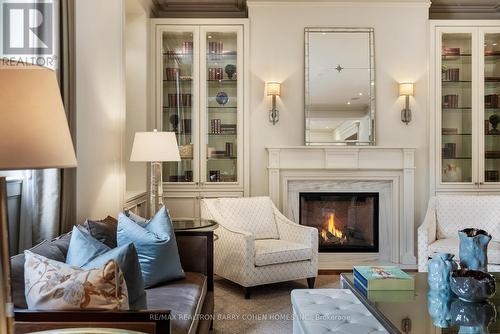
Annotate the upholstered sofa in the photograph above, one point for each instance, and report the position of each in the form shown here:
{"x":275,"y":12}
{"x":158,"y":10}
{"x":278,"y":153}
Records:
{"x":258,"y":245}
{"x":184,"y":306}
{"x":446,"y":215}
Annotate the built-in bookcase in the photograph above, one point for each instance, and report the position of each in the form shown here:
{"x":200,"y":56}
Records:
{"x":465,"y":92}
{"x":200,"y":84}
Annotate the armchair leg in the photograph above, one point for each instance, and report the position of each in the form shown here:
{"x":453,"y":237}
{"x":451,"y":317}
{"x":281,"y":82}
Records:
{"x":310,"y":282}
{"x":246,"y":289}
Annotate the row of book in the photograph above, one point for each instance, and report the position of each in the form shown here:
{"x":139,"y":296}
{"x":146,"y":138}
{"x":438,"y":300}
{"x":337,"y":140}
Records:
{"x":449,"y":150}
{"x":215,"y":73}
{"x":216,"y":127}
{"x":179,"y":100}
{"x":491,"y":101}
{"x":450,"y":101}
{"x":215,"y":47}
{"x":451,"y":51}
{"x":451,"y":74}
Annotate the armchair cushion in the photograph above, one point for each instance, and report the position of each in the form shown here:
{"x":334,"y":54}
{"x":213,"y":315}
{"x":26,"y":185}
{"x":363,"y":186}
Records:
{"x":455,"y":213}
{"x":451,"y":245}
{"x":272,"y":251}
{"x":253,"y":214}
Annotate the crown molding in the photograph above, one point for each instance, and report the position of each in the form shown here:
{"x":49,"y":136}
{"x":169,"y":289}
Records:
{"x":340,"y":3}
{"x":465,"y":10}
{"x":200,"y":8}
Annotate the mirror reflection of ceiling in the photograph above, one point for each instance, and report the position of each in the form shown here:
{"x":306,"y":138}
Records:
{"x":339,"y":72}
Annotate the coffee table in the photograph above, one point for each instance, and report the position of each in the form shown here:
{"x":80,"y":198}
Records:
{"x":408,"y":312}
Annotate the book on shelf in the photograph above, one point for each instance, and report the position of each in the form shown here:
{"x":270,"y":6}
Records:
{"x":449,"y":131}
{"x":187,"y":47}
{"x":451,"y":51}
{"x":451,"y":74}
{"x":229,"y":129}
{"x":449,"y":150}
{"x":491,"y":101}
{"x":450,"y":101}
{"x":383,"y":278}
{"x":215,"y":126}
{"x":492,"y":154}
{"x":215,"y":47}
{"x":384,"y":295}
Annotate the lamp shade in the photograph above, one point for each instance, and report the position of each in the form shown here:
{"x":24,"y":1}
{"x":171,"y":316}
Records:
{"x":406,"y":89}
{"x":34,"y":131}
{"x":273,"y":88}
{"x":155,"y":146}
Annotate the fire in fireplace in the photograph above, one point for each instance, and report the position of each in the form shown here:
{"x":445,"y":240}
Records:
{"x":346,"y":222}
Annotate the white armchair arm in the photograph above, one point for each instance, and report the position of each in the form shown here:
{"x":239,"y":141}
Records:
{"x":427,"y":234}
{"x":291,"y":231}
{"x":234,"y":248}
{"x":307,"y":235}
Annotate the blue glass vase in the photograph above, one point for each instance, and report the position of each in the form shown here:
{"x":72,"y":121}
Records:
{"x":440,"y":267}
{"x":474,"y":249}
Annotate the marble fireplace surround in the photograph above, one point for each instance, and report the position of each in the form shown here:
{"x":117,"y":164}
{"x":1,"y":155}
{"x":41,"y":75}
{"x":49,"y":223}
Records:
{"x":387,"y":170}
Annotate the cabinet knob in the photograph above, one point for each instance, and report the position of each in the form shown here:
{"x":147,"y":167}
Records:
{"x":481,"y":183}
{"x":476,"y":183}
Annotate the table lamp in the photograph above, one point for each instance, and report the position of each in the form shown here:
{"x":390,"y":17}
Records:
{"x":34,"y":134}
{"x":155,"y":147}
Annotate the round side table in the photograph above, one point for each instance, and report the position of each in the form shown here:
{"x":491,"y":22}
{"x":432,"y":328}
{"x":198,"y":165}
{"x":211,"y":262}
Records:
{"x":184,"y":224}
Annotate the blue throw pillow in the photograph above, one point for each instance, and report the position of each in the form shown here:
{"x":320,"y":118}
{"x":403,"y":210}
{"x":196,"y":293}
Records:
{"x":83,"y":247}
{"x":88,"y":253}
{"x":156,"y":247}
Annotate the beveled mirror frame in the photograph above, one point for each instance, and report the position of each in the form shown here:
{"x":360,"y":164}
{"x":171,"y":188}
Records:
{"x":372,"y":111}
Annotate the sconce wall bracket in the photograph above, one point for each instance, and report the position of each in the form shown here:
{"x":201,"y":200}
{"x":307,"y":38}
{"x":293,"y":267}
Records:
{"x":274,"y":114}
{"x":406,"y":112}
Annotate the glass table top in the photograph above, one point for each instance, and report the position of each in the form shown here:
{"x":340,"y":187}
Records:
{"x":428,"y":313}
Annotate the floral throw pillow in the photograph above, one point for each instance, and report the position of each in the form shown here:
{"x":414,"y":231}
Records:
{"x":53,"y":285}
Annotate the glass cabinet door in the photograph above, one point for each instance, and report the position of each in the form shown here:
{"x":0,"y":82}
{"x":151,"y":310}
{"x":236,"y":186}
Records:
{"x":491,"y":117}
{"x":221,"y":104}
{"x":179,"y":112}
{"x":456,"y":108}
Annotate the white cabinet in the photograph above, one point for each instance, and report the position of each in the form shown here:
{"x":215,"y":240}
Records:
{"x":465,"y":108}
{"x":201,"y":93}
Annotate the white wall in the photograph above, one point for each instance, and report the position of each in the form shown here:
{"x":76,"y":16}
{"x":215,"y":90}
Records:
{"x":277,"y":54}
{"x":137,"y":82}
{"x":100,"y":107}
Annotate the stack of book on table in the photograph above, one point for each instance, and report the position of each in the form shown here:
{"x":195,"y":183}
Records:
{"x":384,"y":283}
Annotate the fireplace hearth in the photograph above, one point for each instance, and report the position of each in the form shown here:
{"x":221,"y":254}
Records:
{"x":346,"y":222}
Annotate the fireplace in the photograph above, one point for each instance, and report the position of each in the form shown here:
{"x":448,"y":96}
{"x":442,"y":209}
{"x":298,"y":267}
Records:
{"x":346,"y":222}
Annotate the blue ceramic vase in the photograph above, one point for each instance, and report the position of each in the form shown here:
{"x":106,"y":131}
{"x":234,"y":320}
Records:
{"x":440,"y":267}
{"x":473,"y":249}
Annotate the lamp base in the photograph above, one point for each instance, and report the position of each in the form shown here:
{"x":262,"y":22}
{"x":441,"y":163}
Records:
{"x":6,"y":306}
{"x":156,"y":188}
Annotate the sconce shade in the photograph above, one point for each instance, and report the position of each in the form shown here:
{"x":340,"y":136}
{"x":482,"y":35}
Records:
{"x":155,"y":146}
{"x":406,"y":89}
{"x":273,"y":88}
{"x":34,"y":131}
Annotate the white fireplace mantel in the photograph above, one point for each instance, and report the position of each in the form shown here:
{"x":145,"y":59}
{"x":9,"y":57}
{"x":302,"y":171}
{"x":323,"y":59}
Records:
{"x":287,"y":164}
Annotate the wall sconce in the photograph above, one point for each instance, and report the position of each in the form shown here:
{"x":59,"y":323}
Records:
{"x":274,"y":89}
{"x":406,"y":89}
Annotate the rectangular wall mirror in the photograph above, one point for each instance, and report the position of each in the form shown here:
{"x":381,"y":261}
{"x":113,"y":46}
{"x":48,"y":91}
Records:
{"x":339,"y":86}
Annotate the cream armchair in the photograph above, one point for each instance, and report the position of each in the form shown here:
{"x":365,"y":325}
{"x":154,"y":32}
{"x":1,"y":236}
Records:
{"x":446,"y":215}
{"x":258,"y":245}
